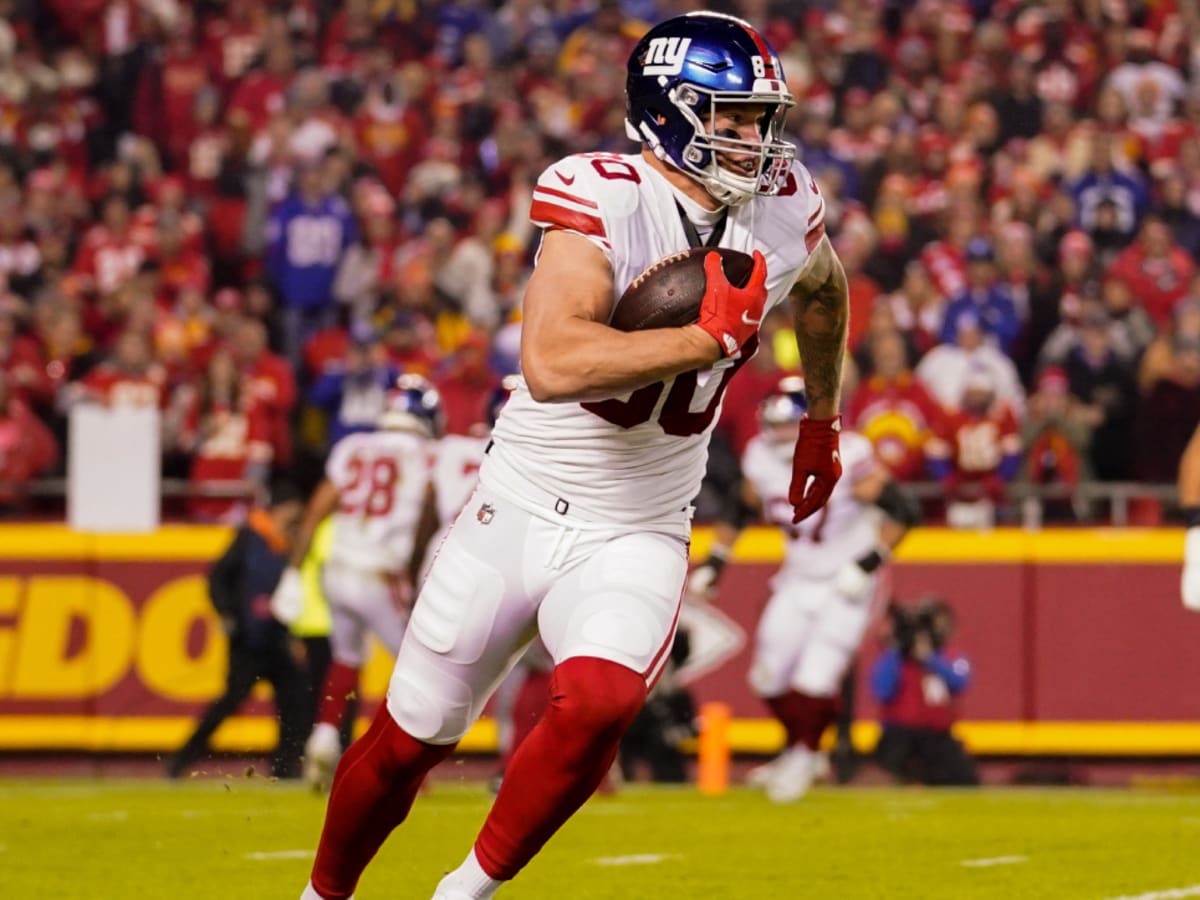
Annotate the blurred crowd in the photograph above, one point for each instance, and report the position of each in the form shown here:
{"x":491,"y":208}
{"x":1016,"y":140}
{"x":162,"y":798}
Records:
{"x":255,"y":214}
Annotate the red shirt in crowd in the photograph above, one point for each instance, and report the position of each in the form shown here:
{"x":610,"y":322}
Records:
{"x":270,"y":383}
{"x":106,"y":260}
{"x":1157,"y":284}
{"x":898,"y":416}
{"x":27,"y":448}
{"x":226,"y":441}
{"x":114,"y":386}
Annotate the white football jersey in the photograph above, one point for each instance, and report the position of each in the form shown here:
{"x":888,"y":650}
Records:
{"x":844,"y":529}
{"x":638,"y":458}
{"x":455,"y":472}
{"x":381,"y":478}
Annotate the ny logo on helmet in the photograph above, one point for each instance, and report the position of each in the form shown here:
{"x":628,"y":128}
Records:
{"x":665,"y":56}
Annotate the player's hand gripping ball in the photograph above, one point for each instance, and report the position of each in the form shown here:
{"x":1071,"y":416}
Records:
{"x":724,"y":287}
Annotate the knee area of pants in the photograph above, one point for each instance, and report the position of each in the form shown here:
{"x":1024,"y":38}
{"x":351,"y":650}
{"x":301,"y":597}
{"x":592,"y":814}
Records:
{"x":596,"y":692}
{"x":438,"y":715}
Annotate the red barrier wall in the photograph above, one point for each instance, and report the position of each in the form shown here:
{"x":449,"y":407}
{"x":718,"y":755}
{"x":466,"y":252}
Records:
{"x":1078,"y":640}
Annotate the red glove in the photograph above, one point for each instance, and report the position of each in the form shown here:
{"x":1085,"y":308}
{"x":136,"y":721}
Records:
{"x":816,"y":457}
{"x":730,"y":314}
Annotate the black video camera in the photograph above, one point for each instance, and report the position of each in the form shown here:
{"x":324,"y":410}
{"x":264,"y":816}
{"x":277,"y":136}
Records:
{"x":910,"y":621}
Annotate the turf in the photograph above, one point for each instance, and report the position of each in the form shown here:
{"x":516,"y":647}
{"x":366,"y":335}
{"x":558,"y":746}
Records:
{"x":248,"y":838}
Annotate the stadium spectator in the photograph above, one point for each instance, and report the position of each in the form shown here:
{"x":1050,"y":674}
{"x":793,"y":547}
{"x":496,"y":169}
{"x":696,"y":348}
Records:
{"x":270,"y":383}
{"x":975,"y":452}
{"x":1169,"y":408}
{"x":27,"y":448}
{"x":1109,"y":201}
{"x":985,"y":298}
{"x":1055,"y":443}
{"x":307,"y":237}
{"x":130,"y":376}
{"x":240,"y":584}
{"x":944,"y":369}
{"x":466,"y":384}
{"x":21,"y":358}
{"x":353,"y":393}
{"x":1157,"y":270}
{"x":226,"y":432}
{"x":892,"y":409}
{"x":918,"y":682}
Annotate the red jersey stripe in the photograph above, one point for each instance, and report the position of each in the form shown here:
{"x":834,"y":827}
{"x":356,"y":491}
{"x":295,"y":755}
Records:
{"x":551,"y":214}
{"x":564,"y":195}
{"x":814,"y":236}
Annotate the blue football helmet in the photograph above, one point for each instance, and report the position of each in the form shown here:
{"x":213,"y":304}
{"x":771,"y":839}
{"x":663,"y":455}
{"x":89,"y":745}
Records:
{"x":413,"y":404}
{"x":786,"y":406}
{"x":678,"y":78}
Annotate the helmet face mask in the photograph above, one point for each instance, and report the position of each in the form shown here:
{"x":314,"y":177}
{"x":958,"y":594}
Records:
{"x":684,"y":77}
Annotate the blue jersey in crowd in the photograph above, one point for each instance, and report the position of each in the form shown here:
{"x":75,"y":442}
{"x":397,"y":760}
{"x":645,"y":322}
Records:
{"x":305,"y":245}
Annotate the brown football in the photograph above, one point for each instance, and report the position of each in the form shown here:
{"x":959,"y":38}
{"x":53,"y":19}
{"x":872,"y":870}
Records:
{"x":669,"y":293}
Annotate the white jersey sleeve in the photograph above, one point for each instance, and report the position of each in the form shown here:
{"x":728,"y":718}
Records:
{"x":573,"y":195}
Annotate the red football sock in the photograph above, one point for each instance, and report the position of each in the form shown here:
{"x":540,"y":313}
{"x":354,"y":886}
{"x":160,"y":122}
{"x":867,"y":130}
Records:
{"x":560,"y":764}
{"x":530,"y":704}
{"x":373,"y":790}
{"x":804,"y":717}
{"x":340,"y":682}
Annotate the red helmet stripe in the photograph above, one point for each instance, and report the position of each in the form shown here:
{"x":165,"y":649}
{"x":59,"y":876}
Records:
{"x":763,"y":50}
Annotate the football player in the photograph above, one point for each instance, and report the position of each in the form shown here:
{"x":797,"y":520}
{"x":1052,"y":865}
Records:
{"x":1189,"y":501}
{"x":821,"y":597}
{"x":376,"y":485}
{"x":579,"y":527}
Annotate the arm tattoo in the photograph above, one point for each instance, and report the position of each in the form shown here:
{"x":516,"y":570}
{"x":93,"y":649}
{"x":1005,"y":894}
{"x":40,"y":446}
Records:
{"x":821,"y":314}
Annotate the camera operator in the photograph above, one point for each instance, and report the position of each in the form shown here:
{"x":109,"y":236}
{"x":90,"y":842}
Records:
{"x":918,"y":681}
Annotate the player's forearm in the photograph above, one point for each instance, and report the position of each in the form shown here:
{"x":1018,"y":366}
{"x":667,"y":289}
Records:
{"x":821,"y":315}
{"x":585,"y":360}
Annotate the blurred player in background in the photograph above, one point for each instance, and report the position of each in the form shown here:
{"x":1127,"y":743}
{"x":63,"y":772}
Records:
{"x":579,"y":528}
{"x":377,"y":486}
{"x":457,"y":463}
{"x":1189,"y":501}
{"x":820,"y":601}
{"x":240,"y":584}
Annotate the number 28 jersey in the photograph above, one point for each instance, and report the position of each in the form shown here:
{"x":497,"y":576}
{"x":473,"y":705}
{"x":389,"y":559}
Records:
{"x":381,"y":478}
{"x":638,"y":458}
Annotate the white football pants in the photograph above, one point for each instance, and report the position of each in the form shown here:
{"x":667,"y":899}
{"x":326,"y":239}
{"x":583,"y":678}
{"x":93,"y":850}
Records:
{"x":806,"y":638}
{"x":504,"y":574}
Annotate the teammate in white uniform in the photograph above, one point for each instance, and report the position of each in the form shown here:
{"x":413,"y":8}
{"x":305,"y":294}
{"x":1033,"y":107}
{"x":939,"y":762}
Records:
{"x":457,"y":463}
{"x":821,"y":596}
{"x":376,"y":485}
{"x":579,"y":528}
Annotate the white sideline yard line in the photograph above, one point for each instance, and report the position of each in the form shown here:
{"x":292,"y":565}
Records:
{"x":267,"y":855}
{"x":1168,"y":894}
{"x":988,"y":861}
{"x":115,"y":815}
{"x":634,"y":859}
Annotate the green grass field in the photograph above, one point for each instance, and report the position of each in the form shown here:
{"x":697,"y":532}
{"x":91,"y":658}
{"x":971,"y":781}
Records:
{"x":248,"y":838}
